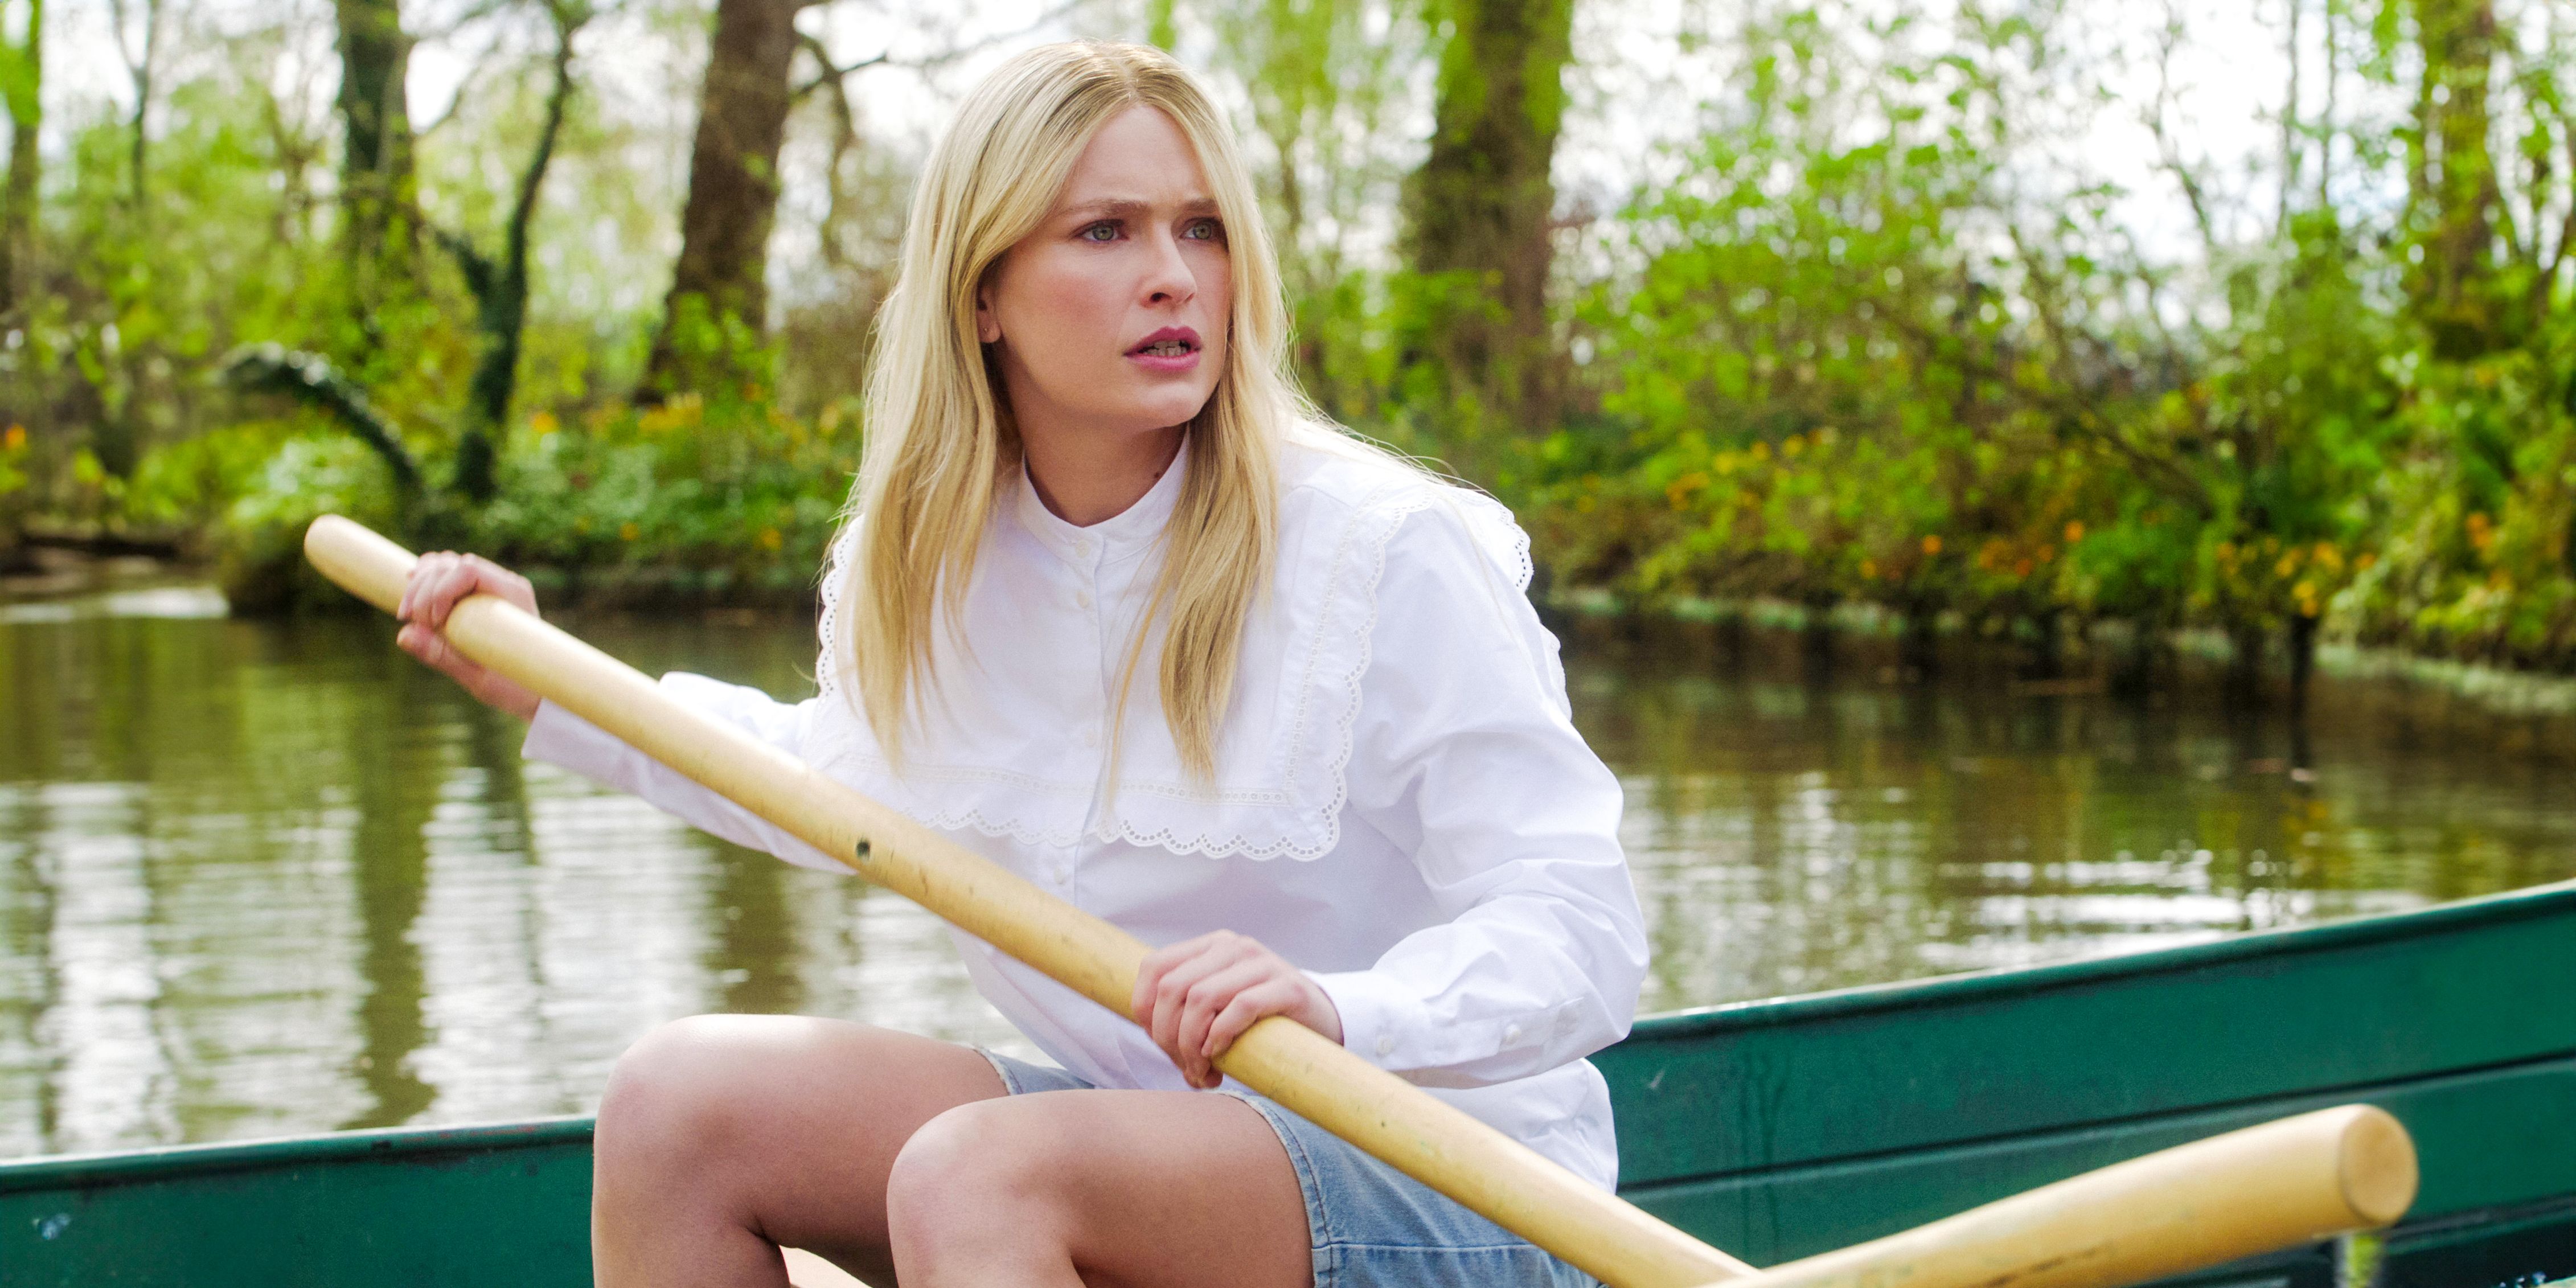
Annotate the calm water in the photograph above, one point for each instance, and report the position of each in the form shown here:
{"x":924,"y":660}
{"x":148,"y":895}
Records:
{"x":259,"y":878}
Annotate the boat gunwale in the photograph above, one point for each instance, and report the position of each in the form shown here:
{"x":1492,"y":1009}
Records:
{"x":59,"y":1170}
{"x":113,"y":1167}
{"x":1999,"y":982}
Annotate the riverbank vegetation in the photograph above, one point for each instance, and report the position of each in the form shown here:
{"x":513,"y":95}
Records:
{"x":2026,"y":320}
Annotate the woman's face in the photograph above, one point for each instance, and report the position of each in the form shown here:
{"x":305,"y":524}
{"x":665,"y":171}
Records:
{"x":1111,"y":316}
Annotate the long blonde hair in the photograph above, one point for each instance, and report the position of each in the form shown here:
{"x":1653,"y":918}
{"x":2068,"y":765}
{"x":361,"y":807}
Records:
{"x":940,"y":437}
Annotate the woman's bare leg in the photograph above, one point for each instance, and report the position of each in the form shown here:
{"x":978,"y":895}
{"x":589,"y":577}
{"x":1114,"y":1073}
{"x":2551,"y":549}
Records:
{"x":723,"y":1137}
{"x":1136,"y":1189}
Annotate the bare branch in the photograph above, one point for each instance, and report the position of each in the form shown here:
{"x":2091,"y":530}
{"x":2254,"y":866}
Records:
{"x":2169,"y":152}
{"x":834,"y":72}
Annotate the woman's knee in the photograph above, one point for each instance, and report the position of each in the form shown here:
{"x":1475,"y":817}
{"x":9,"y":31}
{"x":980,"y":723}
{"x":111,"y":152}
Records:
{"x":974,"y":1166}
{"x":678,"y":1091}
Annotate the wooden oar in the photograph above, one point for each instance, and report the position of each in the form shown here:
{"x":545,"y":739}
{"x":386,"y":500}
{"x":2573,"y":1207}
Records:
{"x":2278,"y":1185}
{"x":1506,"y":1181}
{"x":1422,"y":1137}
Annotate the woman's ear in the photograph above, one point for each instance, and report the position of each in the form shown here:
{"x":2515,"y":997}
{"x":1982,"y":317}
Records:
{"x":988,"y":326}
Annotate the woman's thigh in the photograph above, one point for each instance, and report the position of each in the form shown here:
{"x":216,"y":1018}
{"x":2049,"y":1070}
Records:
{"x":1138,"y":1189}
{"x":724,"y":1135}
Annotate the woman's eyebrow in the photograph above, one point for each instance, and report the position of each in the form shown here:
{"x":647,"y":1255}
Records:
{"x":1131,"y":207}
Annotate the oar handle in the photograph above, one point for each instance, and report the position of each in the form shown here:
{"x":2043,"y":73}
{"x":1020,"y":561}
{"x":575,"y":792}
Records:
{"x":2278,"y":1185}
{"x":1424,"y":1138}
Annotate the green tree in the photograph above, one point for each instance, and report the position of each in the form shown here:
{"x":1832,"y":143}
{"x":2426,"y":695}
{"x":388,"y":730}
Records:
{"x":378,"y":185}
{"x":715,"y":319}
{"x":499,"y":283}
{"x":1478,"y":232}
{"x":22,"y":84}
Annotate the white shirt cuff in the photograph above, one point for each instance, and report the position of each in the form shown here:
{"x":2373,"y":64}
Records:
{"x":1371,"y":1011}
{"x":560,"y":738}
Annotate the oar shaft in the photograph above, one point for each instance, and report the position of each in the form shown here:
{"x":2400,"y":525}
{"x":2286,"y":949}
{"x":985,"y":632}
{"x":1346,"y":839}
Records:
{"x":1422,"y":1137}
{"x":2278,"y":1185}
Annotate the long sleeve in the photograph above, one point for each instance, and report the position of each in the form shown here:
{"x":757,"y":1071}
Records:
{"x":1463,"y":755}
{"x":561,"y":738}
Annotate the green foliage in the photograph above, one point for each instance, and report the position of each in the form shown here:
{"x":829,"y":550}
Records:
{"x":1862,"y":334}
{"x":725,"y":501}
{"x":1839,"y":360}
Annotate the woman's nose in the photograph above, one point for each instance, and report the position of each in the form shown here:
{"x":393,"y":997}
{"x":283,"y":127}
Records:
{"x":1168,"y":279}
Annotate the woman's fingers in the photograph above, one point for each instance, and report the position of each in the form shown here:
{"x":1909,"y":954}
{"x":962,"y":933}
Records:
{"x":1163,"y":986}
{"x":442,"y":579}
{"x":1172,"y":992}
{"x":1199,"y":1010}
{"x":456,"y":579}
{"x":1273,"y":996}
{"x":438,"y":582}
{"x":1198,"y":996}
{"x":1158,"y":965}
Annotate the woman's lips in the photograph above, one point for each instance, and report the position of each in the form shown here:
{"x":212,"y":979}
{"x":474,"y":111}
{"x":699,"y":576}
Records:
{"x":1166,"y":362}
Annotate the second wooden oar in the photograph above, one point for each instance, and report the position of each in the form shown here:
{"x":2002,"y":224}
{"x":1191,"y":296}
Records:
{"x":1424,"y":1138}
{"x":2260,"y":1189}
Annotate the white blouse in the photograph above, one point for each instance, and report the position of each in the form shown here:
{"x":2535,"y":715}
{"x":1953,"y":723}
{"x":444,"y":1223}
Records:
{"x":1399,"y":736}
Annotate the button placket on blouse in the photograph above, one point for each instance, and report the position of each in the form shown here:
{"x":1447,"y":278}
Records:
{"x":1087,"y":559}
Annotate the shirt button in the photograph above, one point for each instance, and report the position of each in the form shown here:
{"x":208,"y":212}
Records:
{"x":1385,"y":1045}
{"x":1082,"y":545}
{"x":1511,"y":1034}
{"x":1090,"y":736}
{"x":1082,"y":599}
{"x":1062,"y":874}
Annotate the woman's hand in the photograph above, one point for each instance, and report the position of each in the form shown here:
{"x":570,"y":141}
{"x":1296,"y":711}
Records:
{"x":437,"y":583}
{"x":1197,"y":996}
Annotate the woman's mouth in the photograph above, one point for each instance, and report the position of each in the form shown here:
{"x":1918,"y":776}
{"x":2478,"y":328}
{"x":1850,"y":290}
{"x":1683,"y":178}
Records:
{"x":1172,"y":349}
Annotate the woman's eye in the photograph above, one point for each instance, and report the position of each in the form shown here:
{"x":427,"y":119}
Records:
{"x":1205,"y":230}
{"x":1099,"y":232}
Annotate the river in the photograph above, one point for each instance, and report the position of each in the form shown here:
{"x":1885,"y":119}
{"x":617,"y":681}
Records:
{"x":265,"y":877}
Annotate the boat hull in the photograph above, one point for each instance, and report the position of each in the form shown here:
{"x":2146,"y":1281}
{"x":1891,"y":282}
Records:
{"x":1773,"y":1129}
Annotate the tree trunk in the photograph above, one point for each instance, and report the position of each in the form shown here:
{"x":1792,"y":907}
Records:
{"x":2453,"y":181}
{"x":376,"y":181}
{"x":141,"y":69}
{"x":2245,"y":642}
{"x":1816,"y":653}
{"x":1479,"y":210}
{"x":1918,"y":649}
{"x":715,"y":315}
{"x":22,"y":83}
{"x":2303,"y":660}
{"x":501,"y":289}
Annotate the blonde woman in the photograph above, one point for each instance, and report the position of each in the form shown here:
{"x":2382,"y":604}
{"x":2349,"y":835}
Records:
{"x":1113,"y":607}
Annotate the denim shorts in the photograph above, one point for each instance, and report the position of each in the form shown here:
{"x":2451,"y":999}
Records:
{"x":1370,"y":1225}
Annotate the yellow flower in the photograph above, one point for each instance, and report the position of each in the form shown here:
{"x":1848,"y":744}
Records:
{"x":628,"y":532}
{"x":1932,"y":545}
{"x":14,"y":439}
{"x":770,"y":539}
{"x":2074,"y":531}
{"x":544,"y":423}
{"x":1869,"y":569}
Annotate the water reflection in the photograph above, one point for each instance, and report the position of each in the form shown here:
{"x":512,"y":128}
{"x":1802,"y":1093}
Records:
{"x":268,"y":878}
{"x":1791,"y":835}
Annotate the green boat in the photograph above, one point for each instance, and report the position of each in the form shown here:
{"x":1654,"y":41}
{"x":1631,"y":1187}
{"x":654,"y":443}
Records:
{"x":1772,"y":1129}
